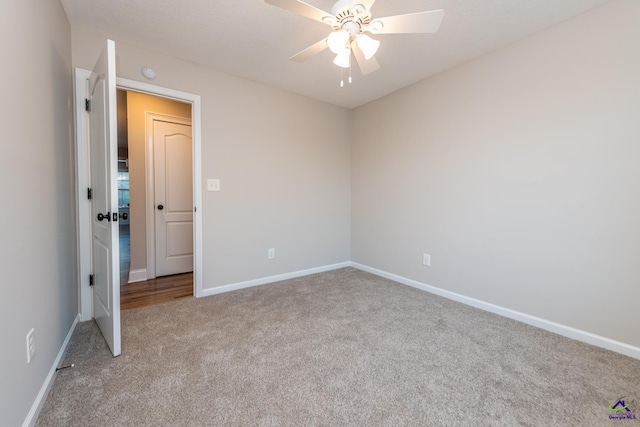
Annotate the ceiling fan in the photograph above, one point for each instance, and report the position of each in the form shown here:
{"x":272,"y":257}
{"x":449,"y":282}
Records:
{"x":350,"y":20}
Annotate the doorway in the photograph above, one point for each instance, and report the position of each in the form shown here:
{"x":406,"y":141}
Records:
{"x":84,"y":184}
{"x":155,"y":200}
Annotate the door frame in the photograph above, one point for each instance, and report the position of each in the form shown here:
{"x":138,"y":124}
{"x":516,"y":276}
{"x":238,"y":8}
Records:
{"x":83,"y":180}
{"x":149,"y":118}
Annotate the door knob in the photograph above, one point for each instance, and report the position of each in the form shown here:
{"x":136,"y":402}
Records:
{"x":106,"y":216}
{"x":160,"y":207}
{"x":124,"y":216}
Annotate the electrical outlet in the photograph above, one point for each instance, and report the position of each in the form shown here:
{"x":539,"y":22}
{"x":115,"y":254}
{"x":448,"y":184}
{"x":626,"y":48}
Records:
{"x":271,"y":253}
{"x":426,"y":260}
{"x":31,"y":345}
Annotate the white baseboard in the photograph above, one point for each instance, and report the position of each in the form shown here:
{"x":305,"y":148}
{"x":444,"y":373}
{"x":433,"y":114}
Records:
{"x":32,"y":416}
{"x":272,"y":279}
{"x":567,"y":331}
{"x":137,"y":275}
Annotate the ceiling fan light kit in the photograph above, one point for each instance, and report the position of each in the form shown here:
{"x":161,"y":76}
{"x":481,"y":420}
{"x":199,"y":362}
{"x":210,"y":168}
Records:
{"x":350,"y":20}
{"x":368,"y":46}
{"x":338,"y":41}
{"x":343,"y":58}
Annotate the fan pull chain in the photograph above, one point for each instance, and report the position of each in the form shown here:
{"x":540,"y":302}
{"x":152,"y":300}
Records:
{"x":342,"y":75}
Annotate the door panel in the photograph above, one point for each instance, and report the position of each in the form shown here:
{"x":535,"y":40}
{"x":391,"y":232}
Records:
{"x":104,"y":176}
{"x":177,"y":244}
{"x":101,"y":270}
{"x":173,"y":178}
{"x":177,"y":180}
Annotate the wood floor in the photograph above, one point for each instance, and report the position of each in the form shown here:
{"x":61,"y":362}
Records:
{"x":154,"y":291}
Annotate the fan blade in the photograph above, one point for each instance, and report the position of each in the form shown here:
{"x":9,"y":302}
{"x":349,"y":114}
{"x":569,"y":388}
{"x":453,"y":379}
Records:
{"x":314,"y":49}
{"x":366,"y":65}
{"x":301,"y":8}
{"x":421,"y":22}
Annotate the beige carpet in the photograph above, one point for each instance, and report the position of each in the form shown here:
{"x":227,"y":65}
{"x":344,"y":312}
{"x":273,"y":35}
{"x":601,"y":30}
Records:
{"x":334,"y":349}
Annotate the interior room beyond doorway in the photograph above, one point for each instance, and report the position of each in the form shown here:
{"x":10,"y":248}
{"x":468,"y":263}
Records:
{"x":140,"y":285}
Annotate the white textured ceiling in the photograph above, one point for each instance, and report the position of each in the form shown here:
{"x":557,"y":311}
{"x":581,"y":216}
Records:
{"x":252,"y":39}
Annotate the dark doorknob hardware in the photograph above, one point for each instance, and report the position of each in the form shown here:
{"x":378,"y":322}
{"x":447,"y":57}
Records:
{"x":106,"y":216}
{"x":160,"y":207}
{"x":124,"y":216}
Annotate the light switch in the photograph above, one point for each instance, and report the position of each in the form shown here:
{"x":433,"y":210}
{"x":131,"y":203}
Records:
{"x":213,"y":185}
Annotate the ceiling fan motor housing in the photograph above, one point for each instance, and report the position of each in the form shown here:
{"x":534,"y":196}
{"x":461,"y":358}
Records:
{"x":340,"y":6}
{"x":353,"y":19}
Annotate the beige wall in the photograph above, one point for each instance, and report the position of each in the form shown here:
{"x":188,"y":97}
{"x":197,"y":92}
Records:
{"x":37,"y":221}
{"x":137,"y":105}
{"x":283,"y":160}
{"x":518,"y":172}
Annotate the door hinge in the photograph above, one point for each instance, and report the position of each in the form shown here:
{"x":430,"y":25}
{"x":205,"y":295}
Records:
{"x":90,"y":193}
{"x":91,"y":280}
{"x":87,"y":105}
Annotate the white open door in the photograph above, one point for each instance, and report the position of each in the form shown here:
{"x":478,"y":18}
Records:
{"x":104,"y":206}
